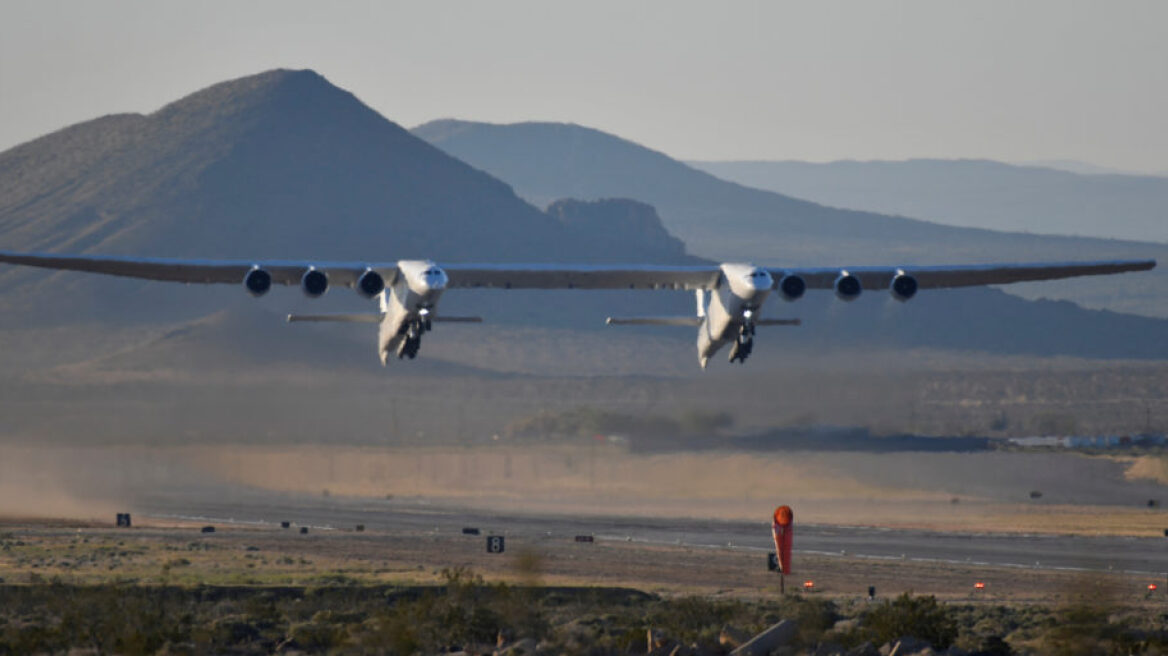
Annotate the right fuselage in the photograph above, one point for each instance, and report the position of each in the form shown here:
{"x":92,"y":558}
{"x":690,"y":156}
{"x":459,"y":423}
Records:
{"x":407,"y":307}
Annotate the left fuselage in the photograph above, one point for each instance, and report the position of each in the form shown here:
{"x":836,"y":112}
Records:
{"x":734,"y":305}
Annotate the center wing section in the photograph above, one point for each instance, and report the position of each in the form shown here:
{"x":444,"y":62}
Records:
{"x":938,"y":277}
{"x":559,"y":276}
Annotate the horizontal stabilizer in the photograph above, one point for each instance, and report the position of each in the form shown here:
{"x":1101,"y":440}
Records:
{"x":654,"y":321}
{"x":365,"y":317}
{"x":374,"y":317}
{"x":687,"y":321}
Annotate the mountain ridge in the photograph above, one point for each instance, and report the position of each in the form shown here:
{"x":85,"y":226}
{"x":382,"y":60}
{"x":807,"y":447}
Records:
{"x":278,"y":165}
{"x":973,"y":193}
{"x":727,"y":221}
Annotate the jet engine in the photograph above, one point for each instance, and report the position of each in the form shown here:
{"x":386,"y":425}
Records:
{"x":903,"y":287}
{"x":257,"y":282}
{"x":791,"y":287}
{"x":314,"y":283}
{"x":847,"y":287}
{"x":370,"y":283}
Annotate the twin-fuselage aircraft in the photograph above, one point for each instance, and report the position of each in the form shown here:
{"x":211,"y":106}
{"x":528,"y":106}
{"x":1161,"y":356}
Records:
{"x":729,"y":296}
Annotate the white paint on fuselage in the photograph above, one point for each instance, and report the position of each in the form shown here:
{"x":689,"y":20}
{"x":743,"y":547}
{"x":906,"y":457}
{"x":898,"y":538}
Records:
{"x":742,"y":288}
{"x":418,"y":287}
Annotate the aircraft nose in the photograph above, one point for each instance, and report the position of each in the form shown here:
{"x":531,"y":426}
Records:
{"x":433,"y":279}
{"x":761,"y":280}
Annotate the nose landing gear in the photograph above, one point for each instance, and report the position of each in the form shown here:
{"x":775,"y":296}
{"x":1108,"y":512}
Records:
{"x":413,"y":331}
{"x":744,"y":344}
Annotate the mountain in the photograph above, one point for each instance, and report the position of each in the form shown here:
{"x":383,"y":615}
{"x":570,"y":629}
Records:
{"x":278,"y":165}
{"x":974,"y":193}
{"x":726,"y":221}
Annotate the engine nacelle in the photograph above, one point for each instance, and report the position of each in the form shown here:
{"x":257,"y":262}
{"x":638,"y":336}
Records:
{"x":370,"y":283}
{"x":792,"y":287}
{"x":903,"y":287}
{"x":257,"y":282}
{"x":847,"y":287}
{"x":314,"y":283}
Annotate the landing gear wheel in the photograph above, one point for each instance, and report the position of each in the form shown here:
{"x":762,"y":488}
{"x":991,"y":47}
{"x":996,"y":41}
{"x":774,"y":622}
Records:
{"x":408,"y":348}
{"x":743,"y":345}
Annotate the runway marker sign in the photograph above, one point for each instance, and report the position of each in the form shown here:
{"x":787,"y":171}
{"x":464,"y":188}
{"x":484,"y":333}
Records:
{"x":584,"y":538}
{"x":470,"y":531}
{"x":495,"y":544}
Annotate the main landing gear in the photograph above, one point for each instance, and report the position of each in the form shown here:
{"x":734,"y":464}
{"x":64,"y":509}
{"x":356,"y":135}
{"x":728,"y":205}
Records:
{"x":744,"y":344}
{"x":413,"y":331}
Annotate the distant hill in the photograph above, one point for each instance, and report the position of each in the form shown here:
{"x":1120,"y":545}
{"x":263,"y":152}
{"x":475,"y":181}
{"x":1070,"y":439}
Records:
{"x":727,"y":221}
{"x":974,"y":193}
{"x":277,"y":165}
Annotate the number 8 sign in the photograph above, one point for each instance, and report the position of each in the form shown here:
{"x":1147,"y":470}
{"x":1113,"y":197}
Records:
{"x":495,"y":544}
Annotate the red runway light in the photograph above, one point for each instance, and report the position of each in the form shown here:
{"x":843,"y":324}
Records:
{"x":809,"y":585}
{"x":1152,"y":587}
{"x":979,"y":585}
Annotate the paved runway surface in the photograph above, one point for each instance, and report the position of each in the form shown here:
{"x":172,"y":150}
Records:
{"x":1120,"y":554}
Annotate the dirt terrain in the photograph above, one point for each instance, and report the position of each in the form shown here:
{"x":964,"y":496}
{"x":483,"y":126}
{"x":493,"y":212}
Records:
{"x":178,"y":553}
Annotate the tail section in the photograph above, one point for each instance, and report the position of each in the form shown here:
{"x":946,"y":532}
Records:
{"x":654,"y":321}
{"x":365,"y":317}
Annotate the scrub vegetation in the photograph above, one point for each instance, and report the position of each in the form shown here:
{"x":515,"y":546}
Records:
{"x":463,"y":613}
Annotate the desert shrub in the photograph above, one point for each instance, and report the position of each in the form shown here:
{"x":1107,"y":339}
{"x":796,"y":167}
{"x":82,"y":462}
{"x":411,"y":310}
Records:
{"x":318,"y":637}
{"x":920,"y":617}
{"x":814,"y":616}
{"x":464,"y":611}
{"x":1085,"y":627}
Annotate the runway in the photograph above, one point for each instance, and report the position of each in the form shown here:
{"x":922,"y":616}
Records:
{"x":1130,"y":555}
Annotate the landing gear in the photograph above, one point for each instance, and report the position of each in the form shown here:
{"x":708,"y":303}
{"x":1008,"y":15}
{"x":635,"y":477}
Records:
{"x":744,"y":344}
{"x":412,"y":331}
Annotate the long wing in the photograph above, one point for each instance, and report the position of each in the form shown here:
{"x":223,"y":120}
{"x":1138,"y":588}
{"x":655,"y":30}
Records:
{"x":558,"y":276}
{"x":550,"y":276}
{"x":283,"y":272}
{"x":936,"y":277}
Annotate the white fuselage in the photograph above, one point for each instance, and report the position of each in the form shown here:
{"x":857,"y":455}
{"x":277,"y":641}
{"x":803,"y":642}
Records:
{"x":734,"y":304}
{"x":409,"y":300}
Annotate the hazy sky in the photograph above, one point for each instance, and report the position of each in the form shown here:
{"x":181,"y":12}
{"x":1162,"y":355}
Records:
{"x":1012,"y":80}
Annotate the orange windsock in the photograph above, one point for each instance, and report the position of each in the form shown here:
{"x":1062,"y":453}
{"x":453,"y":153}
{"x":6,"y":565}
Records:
{"x":783,"y":530}
{"x":784,"y":516}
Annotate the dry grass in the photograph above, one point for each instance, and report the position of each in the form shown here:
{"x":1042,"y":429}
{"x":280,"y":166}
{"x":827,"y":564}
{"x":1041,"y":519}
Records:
{"x":1152,"y":468}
